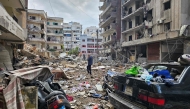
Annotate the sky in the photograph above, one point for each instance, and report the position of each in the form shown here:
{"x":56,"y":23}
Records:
{"x":85,"y":12}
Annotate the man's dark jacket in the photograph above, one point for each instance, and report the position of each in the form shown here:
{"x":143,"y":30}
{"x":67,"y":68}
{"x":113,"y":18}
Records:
{"x":90,"y":60}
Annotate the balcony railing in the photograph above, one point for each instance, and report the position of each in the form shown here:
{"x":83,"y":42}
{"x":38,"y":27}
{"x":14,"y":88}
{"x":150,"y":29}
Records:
{"x":55,"y":42}
{"x":109,"y":30}
{"x":54,"y":26}
{"x":34,"y":30}
{"x":12,"y":28}
{"x":127,"y":16}
{"x":37,"y":39}
{"x":127,"y":2}
{"x":113,"y":3}
{"x":55,"y":34}
{"x":134,"y":28}
{"x":107,"y":20}
{"x":37,"y":21}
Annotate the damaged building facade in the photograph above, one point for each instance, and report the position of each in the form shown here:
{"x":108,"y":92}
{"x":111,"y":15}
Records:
{"x":37,"y":20}
{"x":151,"y":29}
{"x":110,"y":22}
{"x":54,"y":34}
{"x":13,"y":30}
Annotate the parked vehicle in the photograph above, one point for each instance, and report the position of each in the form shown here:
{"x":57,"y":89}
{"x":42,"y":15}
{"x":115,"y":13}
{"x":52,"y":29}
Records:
{"x":51,"y":96}
{"x":134,"y":93}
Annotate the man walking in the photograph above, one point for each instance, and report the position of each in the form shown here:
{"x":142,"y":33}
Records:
{"x":90,"y":61}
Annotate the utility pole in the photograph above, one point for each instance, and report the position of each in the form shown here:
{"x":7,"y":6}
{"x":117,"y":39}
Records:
{"x":97,"y":41}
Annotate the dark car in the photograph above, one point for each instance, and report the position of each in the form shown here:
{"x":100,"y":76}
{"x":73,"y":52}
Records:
{"x":133,"y":93}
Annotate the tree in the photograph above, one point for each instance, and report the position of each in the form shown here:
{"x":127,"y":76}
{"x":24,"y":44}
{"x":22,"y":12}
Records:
{"x":74,"y":51}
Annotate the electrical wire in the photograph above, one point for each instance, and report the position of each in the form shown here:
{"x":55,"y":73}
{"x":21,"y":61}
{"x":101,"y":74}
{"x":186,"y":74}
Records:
{"x":81,"y":10}
{"x":51,"y":7}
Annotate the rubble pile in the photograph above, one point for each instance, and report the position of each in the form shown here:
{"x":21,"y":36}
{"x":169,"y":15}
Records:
{"x":83,"y":91}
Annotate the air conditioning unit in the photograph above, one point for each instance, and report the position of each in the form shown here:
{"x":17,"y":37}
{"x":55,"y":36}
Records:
{"x":160,"y":21}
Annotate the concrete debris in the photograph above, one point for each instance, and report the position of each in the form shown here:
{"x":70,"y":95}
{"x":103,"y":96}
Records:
{"x":71,"y":75}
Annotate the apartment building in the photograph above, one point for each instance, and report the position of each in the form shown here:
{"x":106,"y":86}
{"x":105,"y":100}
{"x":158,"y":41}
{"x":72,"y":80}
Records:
{"x":110,"y":22}
{"x":154,"y":30}
{"x":92,"y":31}
{"x":37,"y":20}
{"x":55,"y":34}
{"x":13,"y":32}
{"x":89,"y":44}
{"x":72,"y":32}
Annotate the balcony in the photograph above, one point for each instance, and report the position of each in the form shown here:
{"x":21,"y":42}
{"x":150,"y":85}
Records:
{"x":157,"y":38}
{"x":108,"y":20}
{"x":136,"y":12}
{"x":33,"y":30}
{"x":55,"y":42}
{"x":113,"y":3}
{"x":36,"y":21}
{"x":55,"y":34}
{"x":11,"y":29}
{"x":37,"y":39}
{"x":55,"y":26}
{"x":109,"y":30}
{"x":134,"y":28}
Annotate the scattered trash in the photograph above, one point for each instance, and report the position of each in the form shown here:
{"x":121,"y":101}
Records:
{"x":99,"y":87}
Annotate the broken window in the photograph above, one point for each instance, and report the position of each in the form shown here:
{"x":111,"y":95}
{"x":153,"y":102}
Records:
{"x":130,"y":10}
{"x":42,"y":36}
{"x":167,"y":5}
{"x":137,"y":5}
{"x":138,"y":35}
{"x":149,"y":15}
{"x":130,"y":24}
{"x":137,"y":20}
{"x":108,"y":37}
{"x":150,"y":31}
{"x":33,"y":36}
{"x":130,"y":38}
{"x":167,"y":26}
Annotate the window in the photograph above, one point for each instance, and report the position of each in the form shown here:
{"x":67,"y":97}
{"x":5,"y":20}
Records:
{"x":32,"y":17}
{"x":130,"y":10}
{"x":77,"y":38}
{"x":67,"y":42}
{"x":83,"y":51}
{"x":167,"y":5}
{"x":75,"y":35}
{"x":137,"y":20}
{"x":150,"y":31}
{"x":167,"y":26}
{"x":69,"y":35}
{"x":55,"y":23}
{"x":130,"y":24}
{"x":130,"y":38}
{"x":83,"y":45}
{"x":34,"y":45}
{"x":75,"y":42}
{"x":83,"y":40}
{"x":54,"y":47}
{"x":47,"y":23}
